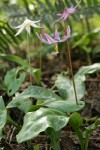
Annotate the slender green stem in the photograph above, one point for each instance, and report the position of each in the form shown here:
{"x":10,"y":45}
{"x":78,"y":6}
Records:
{"x":68,"y":56}
{"x":40,"y":59}
{"x":89,"y":59}
{"x":80,"y":137}
{"x":28,"y":57}
{"x":71,"y":71}
{"x":86,"y":141}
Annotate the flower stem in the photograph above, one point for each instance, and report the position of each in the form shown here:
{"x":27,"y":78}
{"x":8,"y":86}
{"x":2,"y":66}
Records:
{"x":29,"y":60}
{"x":40,"y":59}
{"x":71,"y":70}
{"x":68,"y":55}
{"x":79,"y":134}
{"x":86,"y":140}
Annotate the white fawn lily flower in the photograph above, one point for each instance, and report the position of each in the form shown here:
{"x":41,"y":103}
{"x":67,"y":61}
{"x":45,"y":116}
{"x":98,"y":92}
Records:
{"x":27,"y":25}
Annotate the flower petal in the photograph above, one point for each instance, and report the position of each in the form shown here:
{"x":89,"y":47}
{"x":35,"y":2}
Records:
{"x":63,"y":16}
{"x":28,"y":29}
{"x":20,"y":30}
{"x":57,"y":37}
{"x":49,"y":39}
{"x":19,"y":26}
{"x":35,"y":21}
{"x":67,"y":35}
{"x":34,"y":25}
{"x":66,"y":12}
{"x":71,"y":10}
{"x":41,"y":38}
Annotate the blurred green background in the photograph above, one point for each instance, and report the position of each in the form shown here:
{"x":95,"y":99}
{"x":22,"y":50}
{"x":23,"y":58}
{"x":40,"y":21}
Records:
{"x":85,"y":28}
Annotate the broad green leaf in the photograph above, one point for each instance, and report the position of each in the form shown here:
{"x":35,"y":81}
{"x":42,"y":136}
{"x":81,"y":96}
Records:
{"x":89,"y":130}
{"x":23,"y":105}
{"x":13,"y":80}
{"x":88,"y":69}
{"x":35,"y":92}
{"x":54,"y":136}
{"x":36,"y":73}
{"x":93,"y":126}
{"x":76,"y":120}
{"x":38,"y":121}
{"x":64,"y":106}
{"x":66,"y":90}
{"x":35,"y":107}
{"x":3,"y":115}
{"x":14,"y":58}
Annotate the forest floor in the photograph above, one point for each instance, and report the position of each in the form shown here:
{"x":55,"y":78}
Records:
{"x":68,"y":140}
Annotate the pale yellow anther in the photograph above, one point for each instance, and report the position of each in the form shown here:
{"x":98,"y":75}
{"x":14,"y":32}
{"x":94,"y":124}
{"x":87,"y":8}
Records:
{"x":56,"y":48}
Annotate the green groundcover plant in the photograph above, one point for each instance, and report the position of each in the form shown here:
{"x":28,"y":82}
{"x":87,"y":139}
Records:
{"x":52,"y":110}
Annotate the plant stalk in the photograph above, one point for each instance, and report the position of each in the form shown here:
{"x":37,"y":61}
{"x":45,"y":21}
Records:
{"x":71,"y":71}
{"x":29,"y":60}
{"x":68,"y":56}
{"x":78,"y":132}
{"x":86,"y":141}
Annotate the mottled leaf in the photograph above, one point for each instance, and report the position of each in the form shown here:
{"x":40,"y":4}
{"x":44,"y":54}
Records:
{"x":38,"y":121}
{"x":35,"y":92}
{"x":66,"y":90}
{"x":13,"y":80}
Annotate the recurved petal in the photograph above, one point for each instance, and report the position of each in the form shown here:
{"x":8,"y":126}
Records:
{"x":34,"y":25}
{"x":35,"y":21}
{"x":57,"y":37}
{"x":65,"y":15}
{"x":41,"y":38}
{"x":19,"y":26}
{"x":67,"y":35}
{"x":28,"y":29}
{"x":49,"y":39}
{"x":71,"y":10}
{"x":20,"y":30}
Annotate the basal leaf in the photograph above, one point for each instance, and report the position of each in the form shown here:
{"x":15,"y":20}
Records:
{"x":66,"y":90}
{"x":93,"y":126}
{"x":36,"y":73}
{"x":38,"y":121}
{"x":35,"y":92}
{"x":88,"y":69}
{"x":75,"y":120}
{"x":64,"y":106}
{"x":13,"y":80}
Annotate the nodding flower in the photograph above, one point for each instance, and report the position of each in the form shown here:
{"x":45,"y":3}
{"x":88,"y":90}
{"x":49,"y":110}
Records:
{"x":64,"y":15}
{"x":47,"y":39}
{"x":27,"y":25}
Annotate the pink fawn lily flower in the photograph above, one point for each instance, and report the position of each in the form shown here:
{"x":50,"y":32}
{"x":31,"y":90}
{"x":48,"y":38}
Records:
{"x":45,"y":38}
{"x":66,"y":12}
{"x":27,"y":25}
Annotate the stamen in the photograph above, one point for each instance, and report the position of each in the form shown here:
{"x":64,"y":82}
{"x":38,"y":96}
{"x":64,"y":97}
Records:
{"x":56,"y":48}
